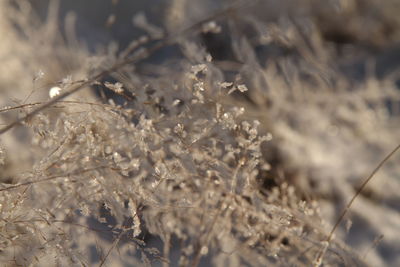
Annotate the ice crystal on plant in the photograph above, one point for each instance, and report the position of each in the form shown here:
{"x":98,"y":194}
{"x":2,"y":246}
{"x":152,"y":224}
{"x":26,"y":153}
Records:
{"x":170,"y":151}
{"x":116,"y":87}
{"x":54,"y":91}
{"x":242,"y":88}
{"x":39,"y":75}
{"x":200,"y":68}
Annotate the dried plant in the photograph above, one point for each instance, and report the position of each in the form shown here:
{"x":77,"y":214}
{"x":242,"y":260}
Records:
{"x":233,"y":151}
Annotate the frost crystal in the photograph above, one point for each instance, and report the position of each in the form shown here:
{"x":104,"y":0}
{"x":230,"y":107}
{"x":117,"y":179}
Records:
{"x":135,"y":164}
{"x":176,"y":102}
{"x":211,"y":27}
{"x":117,"y":157}
{"x":199,"y":68}
{"x":228,"y":121}
{"x":178,"y":129}
{"x":116,"y":87}
{"x":39,"y":75}
{"x":242,"y":88}
{"x":225,"y":85}
{"x":54,"y":91}
{"x":67,"y":80}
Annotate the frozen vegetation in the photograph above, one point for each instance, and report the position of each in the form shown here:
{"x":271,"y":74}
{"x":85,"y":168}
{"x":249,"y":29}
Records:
{"x":199,"y":133}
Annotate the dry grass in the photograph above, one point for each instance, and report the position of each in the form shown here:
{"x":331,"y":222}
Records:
{"x":227,"y":144}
